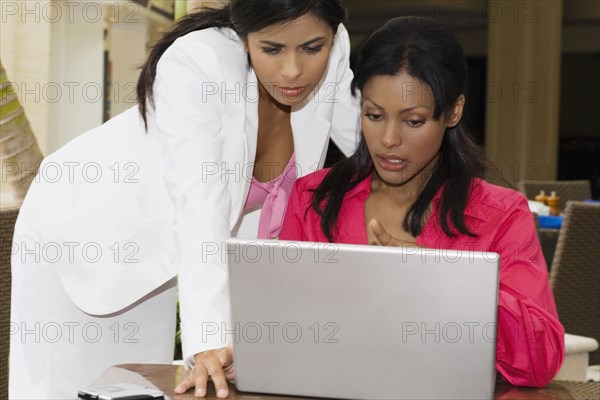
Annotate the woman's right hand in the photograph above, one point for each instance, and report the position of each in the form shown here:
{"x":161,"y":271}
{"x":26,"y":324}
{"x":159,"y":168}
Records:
{"x":218,"y":364}
{"x":384,"y":238}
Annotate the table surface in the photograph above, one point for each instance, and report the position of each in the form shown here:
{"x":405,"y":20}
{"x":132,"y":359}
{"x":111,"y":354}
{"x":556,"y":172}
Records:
{"x":165,"y":377}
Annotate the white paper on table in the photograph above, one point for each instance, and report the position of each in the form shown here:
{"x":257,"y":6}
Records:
{"x":538,"y":208}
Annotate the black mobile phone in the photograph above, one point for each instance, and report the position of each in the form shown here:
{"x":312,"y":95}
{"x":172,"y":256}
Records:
{"x":121,"y":391}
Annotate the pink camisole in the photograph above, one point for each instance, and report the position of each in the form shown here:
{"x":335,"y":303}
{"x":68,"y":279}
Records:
{"x":273,"y":197}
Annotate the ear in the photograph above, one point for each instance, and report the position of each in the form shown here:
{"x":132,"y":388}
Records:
{"x":245,"y":41}
{"x":457,"y":112}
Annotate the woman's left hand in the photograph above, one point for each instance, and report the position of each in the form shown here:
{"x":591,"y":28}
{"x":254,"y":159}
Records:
{"x":216,"y":363}
{"x":384,"y":238}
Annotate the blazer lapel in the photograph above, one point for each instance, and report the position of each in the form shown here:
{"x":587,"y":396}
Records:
{"x":251,"y":99}
{"x":311,"y":131}
{"x":240,"y":187}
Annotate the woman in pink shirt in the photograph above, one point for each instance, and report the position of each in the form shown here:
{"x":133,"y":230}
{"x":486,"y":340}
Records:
{"x":415,"y":181}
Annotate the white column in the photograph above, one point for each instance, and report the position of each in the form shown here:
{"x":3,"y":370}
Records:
{"x":76,"y":66}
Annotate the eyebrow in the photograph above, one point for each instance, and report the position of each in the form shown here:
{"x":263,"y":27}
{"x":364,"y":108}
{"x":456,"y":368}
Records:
{"x":401,"y":112}
{"x":275,"y":44}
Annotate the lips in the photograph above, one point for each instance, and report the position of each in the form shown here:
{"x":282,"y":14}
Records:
{"x":391,"y":162}
{"x":292,"y":91}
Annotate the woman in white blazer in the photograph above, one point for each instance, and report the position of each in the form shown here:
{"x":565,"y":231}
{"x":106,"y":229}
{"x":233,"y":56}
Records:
{"x":127,"y":213}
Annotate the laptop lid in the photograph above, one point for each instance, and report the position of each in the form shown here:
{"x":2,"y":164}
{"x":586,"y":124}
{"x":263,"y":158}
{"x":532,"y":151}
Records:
{"x":354,"y":321}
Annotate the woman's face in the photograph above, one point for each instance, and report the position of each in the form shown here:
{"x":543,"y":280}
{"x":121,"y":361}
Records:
{"x":290,"y":59}
{"x":399,"y":129}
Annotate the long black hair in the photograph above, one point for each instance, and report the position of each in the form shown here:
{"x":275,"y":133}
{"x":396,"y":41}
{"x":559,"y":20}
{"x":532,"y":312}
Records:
{"x":244,"y":17}
{"x":428,"y":51}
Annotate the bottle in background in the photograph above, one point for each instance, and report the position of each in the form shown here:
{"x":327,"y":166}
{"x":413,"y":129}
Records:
{"x":542,"y":198}
{"x":552,"y":202}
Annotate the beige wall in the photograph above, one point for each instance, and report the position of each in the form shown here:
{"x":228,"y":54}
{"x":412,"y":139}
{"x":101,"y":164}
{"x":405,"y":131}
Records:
{"x":524,"y":58}
{"x":191,"y":4}
{"x":127,"y":44}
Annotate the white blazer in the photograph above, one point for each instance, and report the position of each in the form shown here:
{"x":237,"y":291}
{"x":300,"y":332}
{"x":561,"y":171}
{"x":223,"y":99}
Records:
{"x":129,"y":210}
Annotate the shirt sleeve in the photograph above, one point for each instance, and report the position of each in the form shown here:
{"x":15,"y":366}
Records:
{"x":530,"y":339}
{"x":188,"y":119}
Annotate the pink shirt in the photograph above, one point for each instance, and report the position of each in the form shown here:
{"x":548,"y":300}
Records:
{"x":272,"y":197}
{"x":530,"y":338}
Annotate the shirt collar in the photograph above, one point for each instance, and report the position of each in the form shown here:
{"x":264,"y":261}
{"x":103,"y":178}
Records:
{"x":474,"y":195}
{"x":364,"y":187}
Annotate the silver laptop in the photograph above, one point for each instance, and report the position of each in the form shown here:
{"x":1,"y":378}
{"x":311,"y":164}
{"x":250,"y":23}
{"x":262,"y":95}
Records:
{"x":363,"y":322}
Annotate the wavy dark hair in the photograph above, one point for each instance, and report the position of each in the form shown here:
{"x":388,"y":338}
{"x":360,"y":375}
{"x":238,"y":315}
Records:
{"x":244,"y":17}
{"x":428,"y":51}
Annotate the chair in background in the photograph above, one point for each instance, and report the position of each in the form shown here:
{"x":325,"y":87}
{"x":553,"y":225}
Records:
{"x":547,"y":239}
{"x":536,"y":221}
{"x":566,"y":190}
{"x":8,"y":218}
{"x":575,"y":272}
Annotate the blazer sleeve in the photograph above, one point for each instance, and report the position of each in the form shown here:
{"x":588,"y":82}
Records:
{"x":345,"y":125}
{"x":530,"y":340}
{"x":189,"y":124}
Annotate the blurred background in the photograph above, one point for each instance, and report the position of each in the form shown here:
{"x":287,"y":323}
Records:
{"x":534,"y":70}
